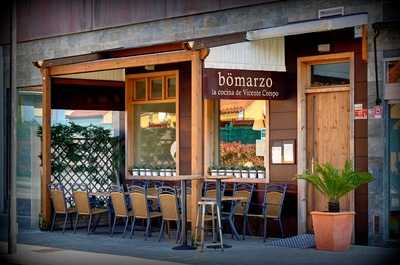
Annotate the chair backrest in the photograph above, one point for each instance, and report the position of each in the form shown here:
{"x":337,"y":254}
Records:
{"x":138,"y":198}
{"x":81,"y":198}
{"x":273,"y":199}
{"x":210,"y":189}
{"x":117,"y":188}
{"x":168,"y":203}
{"x":58,"y":198}
{"x":119,"y":205}
{"x":242,"y":190}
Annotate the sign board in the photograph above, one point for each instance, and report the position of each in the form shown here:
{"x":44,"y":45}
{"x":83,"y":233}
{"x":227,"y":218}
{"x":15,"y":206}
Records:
{"x":359,"y":112}
{"x":376,"y":112}
{"x":243,"y":84}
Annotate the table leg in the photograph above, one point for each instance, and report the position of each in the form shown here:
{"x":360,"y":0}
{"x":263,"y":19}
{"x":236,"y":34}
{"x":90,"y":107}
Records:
{"x":184,"y":245}
{"x":218,"y":198}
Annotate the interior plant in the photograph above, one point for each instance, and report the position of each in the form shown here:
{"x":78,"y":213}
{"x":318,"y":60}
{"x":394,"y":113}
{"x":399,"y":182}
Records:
{"x":213,"y":170}
{"x":260,"y":172}
{"x":236,"y":172}
{"x":244,"y":171}
{"x":222,"y":170}
{"x":155,"y":171}
{"x":333,"y":229}
{"x":229,"y":170}
{"x":253,"y":172}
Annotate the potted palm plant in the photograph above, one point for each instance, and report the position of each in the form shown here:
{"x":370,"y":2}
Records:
{"x":333,"y":229}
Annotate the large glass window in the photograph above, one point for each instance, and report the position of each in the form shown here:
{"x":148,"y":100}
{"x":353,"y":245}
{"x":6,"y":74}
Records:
{"x":29,"y":118}
{"x":153,"y":122}
{"x":393,"y":72}
{"x":155,"y":134}
{"x":394,"y":170}
{"x":242,"y":133}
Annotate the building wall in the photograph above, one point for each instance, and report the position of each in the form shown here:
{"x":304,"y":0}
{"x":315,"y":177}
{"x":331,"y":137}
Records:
{"x":388,"y":45}
{"x":193,"y":21}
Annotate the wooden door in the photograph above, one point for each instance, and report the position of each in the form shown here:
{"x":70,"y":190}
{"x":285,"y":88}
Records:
{"x":327,"y":139}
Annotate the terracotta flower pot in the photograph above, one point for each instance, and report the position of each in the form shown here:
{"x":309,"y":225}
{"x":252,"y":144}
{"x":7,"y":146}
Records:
{"x":333,"y":230}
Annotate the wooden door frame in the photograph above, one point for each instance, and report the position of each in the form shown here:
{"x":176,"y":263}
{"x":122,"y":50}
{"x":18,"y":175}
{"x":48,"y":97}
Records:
{"x":303,"y":80}
{"x":194,"y":56}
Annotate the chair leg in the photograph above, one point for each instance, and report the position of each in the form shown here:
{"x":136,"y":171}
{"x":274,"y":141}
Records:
{"x":203,"y":213}
{"x":89,"y":224}
{"x":71,"y":221}
{"x":196,"y":228}
{"x":53,"y":222}
{"x":113,"y":226}
{"x":126,"y":225}
{"x":220,"y":228}
{"x":65,"y":222}
{"x":168,"y":230}
{"x":146,"y":232}
{"x":280,"y":226}
{"x":178,"y":230}
{"x":76,"y":222}
{"x":132,"y":227}
{"x":265,"y":229}
{"x":213,"y":223}
{"x":161,"y":230}
{"x":244,"y":226}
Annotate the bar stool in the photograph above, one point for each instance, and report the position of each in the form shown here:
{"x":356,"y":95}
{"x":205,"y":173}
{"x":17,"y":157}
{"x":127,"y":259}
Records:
{"x":202,"y":206}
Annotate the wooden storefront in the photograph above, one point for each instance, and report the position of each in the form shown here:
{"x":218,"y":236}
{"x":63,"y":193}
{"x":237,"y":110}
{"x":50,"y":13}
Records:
{"x":197,"y":118}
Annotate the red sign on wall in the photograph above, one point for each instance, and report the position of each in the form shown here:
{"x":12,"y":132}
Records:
{"x":243,"y":84}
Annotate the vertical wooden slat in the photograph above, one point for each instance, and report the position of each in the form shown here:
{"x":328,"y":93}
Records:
{"x":266,"y":147}
{"x":208,"y":134}
{"x":46,"y":145}
{"x":197,"y":132}
{"x":301,"y":149}
{"x":364,"y":43}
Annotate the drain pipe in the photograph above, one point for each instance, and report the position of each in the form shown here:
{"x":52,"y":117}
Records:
{"x":378,"y":100}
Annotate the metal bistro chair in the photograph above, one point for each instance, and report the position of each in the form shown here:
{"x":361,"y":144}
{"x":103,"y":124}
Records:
{"x":59,"y":204}
{"x":274,"y":196}
{"x":120,"y":209}
{"x":152,"y":190}
{"x":140,"y":208}
{"x":82,"y":203}
{"x":210,"y":189}
{"x":241,"y":208}
{"x":169,"y":209}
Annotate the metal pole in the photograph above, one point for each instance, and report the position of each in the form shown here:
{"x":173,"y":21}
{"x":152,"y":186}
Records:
{"x":12,"y":211}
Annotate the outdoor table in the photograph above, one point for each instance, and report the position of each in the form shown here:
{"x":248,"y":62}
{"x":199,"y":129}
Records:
{"x":218,"y":197}
{"x":182,"y":178}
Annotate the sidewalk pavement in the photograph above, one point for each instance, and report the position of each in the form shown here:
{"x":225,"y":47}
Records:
{"x":39,"y":255}
{"x":99,"y":248}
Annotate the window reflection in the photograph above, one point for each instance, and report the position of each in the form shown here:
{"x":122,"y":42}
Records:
{"x":330,"y":74}
{"x":155,"y":134}
{"x":242,"y":133}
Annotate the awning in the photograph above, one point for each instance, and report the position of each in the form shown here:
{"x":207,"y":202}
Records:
{"x":265,"y":55}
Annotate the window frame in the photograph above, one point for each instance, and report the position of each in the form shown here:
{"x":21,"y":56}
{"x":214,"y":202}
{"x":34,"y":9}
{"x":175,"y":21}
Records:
{"x":130,"y":103}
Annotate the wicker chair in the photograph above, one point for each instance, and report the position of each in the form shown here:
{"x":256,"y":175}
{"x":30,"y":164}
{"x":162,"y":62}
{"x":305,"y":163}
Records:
{"x":59,"y":204}
{"x":241,"y":208}
{"x":81,"y":198}
{"x":169,"y":209}
{"x":140,"y":208}
{"x":120,"y":209}
{"x":274,"y":196}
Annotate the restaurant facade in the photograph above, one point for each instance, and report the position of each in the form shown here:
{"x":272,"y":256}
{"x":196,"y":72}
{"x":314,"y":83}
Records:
{"x":258,"y":90}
